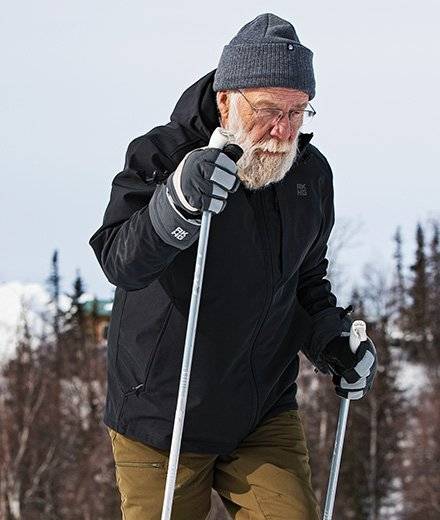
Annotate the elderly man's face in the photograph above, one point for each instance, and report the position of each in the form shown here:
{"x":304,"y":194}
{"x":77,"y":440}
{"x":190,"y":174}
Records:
{"x":282,"y":98}
{"x":269,"y":147}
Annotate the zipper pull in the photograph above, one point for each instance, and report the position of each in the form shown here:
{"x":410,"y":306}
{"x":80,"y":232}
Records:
{"x":136,"y":389}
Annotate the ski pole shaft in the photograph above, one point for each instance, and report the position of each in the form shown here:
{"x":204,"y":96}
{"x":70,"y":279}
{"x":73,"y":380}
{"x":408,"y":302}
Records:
{"x":357,"y":335}
{"x":219,"y":139}
{"x":186,"y":367}
{"x":336,"y":459}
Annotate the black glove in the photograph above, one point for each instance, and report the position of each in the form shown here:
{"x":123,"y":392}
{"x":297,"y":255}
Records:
{"x":202,"y":181}
{"x":353,"y":373}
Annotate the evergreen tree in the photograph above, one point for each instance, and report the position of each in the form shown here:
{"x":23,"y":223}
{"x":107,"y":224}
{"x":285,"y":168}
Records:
{"x":398,"y":294}
{"x":422,"y":450}
{"x":54,"y":281}
{"x":86,"y":457}
{"x":417,"y":318}
{"x":367,"y":484}
{"x":434,"y":300}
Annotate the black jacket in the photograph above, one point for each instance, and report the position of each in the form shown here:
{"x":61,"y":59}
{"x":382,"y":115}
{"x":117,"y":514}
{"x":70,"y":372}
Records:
{"x":264,"y":295}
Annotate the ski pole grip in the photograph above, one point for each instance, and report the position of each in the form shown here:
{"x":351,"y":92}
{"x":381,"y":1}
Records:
{"x":221,"y":139}
{"x":358,"y":333}
{"x":233,"y":151}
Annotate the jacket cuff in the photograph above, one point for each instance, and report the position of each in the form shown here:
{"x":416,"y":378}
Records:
{"x":326,"y":325}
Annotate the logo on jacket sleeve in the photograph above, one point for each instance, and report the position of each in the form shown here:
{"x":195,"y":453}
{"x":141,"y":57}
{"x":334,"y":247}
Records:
{"x":179,"y":233}
{"x":301,"y":190}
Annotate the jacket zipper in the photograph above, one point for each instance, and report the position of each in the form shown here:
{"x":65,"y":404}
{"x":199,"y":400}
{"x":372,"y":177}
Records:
{"x":270,"y":291}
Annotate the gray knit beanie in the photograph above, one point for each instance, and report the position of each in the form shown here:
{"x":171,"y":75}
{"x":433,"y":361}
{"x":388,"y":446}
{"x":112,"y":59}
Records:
{"x":266,"y":52}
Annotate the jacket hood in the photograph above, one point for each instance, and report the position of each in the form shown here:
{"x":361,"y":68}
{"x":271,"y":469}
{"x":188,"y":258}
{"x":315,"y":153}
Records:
{"x":197,"y":107}
{"x":197,"y":110}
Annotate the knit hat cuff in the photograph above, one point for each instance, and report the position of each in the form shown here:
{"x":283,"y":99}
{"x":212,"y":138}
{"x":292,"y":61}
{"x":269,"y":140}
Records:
{"x":266,"y":65}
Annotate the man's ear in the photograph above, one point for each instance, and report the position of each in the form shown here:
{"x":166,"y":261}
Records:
{"x":223,"y":106}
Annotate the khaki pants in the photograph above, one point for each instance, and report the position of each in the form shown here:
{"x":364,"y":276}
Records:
{"x":266,"y":477}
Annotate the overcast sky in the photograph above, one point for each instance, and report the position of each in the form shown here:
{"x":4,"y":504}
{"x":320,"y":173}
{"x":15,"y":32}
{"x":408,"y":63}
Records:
{"x":79,"y":80}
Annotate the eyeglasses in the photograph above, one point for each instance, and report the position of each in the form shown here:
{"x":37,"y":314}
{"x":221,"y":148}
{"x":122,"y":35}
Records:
{"x":272,"y":116}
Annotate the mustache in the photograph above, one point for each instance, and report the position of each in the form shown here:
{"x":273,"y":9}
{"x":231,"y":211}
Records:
{"x":272,"y":145}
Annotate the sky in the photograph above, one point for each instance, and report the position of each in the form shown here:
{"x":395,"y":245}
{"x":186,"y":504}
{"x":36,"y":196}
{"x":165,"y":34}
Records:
{"x":81,"y":79}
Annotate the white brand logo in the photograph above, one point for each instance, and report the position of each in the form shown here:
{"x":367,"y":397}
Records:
{"x":179,"y":233}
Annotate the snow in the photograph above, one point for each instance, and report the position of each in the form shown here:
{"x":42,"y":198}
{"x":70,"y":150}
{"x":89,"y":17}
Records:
{"x":24,"y":300}
{"x":86,"y":297}
{"x":31,"y":301}
{"x":411,"y":378}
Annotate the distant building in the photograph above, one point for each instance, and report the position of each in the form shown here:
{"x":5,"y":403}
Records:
{"x":98,"y":312}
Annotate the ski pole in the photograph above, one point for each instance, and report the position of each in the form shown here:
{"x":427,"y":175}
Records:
{"x":357,"y":334}
{"x":336,"y":459}
{"x":219,"y":139}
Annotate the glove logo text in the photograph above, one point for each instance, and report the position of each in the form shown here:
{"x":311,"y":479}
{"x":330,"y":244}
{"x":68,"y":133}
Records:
{"x":179,"y":233}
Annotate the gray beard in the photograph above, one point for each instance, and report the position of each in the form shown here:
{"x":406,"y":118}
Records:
{"x":255,"y":170}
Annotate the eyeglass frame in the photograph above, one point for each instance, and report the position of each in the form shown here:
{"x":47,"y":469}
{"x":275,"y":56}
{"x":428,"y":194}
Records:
{"x":281,"y":113}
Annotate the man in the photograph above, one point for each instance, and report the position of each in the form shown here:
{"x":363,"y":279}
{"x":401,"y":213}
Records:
{"x":264,"y":294}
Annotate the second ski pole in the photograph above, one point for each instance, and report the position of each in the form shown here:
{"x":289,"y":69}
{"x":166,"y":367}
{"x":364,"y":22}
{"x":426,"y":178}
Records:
{"x":357,"y":334}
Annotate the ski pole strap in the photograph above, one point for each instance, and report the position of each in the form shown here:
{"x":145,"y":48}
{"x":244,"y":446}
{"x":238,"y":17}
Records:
{"x":348,"y":310}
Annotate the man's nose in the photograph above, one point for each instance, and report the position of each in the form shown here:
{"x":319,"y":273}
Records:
{"x":283,"y":129}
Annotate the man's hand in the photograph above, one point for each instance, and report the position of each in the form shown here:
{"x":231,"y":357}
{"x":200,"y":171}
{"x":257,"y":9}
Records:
{"x":202,"y":181}
{"x":353,"y":372}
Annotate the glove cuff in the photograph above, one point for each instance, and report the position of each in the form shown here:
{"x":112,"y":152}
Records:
{"x":175,"y":189}
{"x":172,"y":227}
